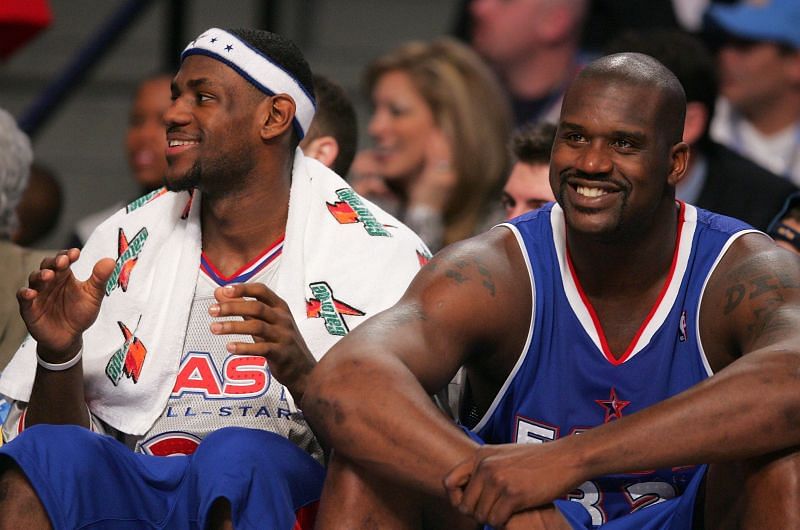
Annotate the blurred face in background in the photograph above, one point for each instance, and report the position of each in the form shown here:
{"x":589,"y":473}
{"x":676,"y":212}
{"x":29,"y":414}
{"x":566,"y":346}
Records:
{"x":527,"y":188}
{"x":504,"y":30}
{"x":400,"y":127}
{"x":146,"y":141}
{"x":753,"y":74}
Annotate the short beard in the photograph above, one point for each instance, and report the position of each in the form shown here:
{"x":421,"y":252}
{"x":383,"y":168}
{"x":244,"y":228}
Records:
{"x":189,"y":181}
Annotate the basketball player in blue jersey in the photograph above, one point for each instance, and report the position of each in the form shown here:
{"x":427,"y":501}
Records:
{"x":627,"y":355}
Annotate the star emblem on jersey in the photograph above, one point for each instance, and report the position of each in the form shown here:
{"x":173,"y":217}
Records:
{"x":325,"y":306}
{"x":350,"y":209}
{"x":613,"y":406}
{"x":128,"y":358}
{"x":128,"y":256}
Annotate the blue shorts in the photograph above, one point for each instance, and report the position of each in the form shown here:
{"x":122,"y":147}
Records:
{"x":673,"y":514}
{"x":90,"y":481}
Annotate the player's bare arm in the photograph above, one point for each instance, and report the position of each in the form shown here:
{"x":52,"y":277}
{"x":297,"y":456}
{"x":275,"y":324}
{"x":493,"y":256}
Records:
{"x":267,"y":319}
{"x":386,"y":369}
{"x":749,"y":321}
{"x":57,"y":309}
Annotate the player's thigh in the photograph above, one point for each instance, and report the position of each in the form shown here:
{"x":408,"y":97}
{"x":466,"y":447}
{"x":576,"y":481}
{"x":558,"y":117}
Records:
{"x":758,"y":493}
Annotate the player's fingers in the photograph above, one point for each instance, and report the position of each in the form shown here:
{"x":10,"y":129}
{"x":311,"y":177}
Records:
{"x":456,"y":480}
{"x":246,"y":309}
{"x":39,"y":280}
{"x":502,"y":510}
{"x":471,"y":495}
{"x":260,"y":349}
{"x":255,"y":328}
{"x":258,"y":291}
{"x":486,"y":501}
{"x":101,"y":272}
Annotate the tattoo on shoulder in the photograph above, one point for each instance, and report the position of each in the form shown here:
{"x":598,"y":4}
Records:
{"x":465,"y":270}
{"x":764,"y":291}
{"x":747,"y":285}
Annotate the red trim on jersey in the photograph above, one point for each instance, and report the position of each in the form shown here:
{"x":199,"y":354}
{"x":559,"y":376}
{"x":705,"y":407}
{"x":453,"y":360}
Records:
{"x":598,"y":326}
{"x":241,"y":270}
{"x":306,"y":516}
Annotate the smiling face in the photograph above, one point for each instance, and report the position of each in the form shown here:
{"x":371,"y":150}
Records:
{"x":613,"y":166}
{"x":146,"y":141}
{"x":401,"y":125}
{"x":212,"y":127}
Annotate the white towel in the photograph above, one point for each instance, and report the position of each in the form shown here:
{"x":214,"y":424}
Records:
{"x":343,"y":260}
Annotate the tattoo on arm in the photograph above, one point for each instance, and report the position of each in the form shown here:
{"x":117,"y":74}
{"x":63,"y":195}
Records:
{"x":765,"y":292}
{"x":462,"y":270}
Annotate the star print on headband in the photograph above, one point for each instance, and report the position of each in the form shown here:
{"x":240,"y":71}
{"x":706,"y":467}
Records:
{"x":257,"y":68}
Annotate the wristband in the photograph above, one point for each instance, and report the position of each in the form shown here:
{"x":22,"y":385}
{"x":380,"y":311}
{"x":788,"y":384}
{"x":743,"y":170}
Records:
{"x":60,"y":367}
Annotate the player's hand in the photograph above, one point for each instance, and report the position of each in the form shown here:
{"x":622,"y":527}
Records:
{"x":501,"y":480}
{"x":544,"y":518}
{"x":268,"y":320}
{"x":57,"y":308}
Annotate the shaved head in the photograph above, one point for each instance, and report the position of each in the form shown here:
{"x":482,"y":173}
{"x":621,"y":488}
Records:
{"x":638,"y":69}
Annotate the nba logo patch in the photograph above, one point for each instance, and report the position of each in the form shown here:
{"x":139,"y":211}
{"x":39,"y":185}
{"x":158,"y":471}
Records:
{"x":682,"y":334}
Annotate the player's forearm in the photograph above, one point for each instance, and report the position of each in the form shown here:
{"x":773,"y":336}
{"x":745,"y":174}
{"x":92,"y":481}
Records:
{"x":748,"y":409}
{"x":57,"y":396}
{"x":375,"y":413}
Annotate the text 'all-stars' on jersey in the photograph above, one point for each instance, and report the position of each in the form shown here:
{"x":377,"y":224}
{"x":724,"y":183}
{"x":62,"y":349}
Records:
{"x":567,"y":380}
{"x":216,"y":389}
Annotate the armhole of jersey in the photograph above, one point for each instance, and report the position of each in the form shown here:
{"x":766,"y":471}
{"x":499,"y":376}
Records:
{"x":523,"y":353}
{"x":721,"y":255}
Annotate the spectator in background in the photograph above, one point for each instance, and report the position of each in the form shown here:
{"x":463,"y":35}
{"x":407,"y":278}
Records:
{"x":39,"y":208}
{"x":145,"y":147}
{"x":439,"y":126}
{"x":533,"y":45}
{"x":758,"y":114}
{"x":718,"y":179}
{"x":785,"y":228}
{"x":15,"y":261}
{"x":333,"y":136}
{"x":528,"y":185}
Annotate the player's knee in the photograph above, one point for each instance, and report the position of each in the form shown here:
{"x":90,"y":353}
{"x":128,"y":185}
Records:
{"x":19,"y":505}
{"x":240,"y":447}
{"x":247,"y":451}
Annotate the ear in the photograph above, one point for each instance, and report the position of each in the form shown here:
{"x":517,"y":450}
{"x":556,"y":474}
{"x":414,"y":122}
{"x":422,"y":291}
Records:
{"x":325,"y":149}
{"x":679,"y":156}
{"x":792,"y":65}
{"x":277,"y":114}
{"x":696,"y":122}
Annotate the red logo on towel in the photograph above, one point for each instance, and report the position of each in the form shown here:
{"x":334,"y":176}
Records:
{"x":351,"y":209}
{"x":128,"y":359}
{"x":325,"y":306}
{"x":343,"y":212}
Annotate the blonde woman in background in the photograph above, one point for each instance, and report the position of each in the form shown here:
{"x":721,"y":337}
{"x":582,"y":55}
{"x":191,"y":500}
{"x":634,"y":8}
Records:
{"x":440,"y":124}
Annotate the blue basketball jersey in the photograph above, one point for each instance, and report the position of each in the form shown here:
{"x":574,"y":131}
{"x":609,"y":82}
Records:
{"x":567,"y":381}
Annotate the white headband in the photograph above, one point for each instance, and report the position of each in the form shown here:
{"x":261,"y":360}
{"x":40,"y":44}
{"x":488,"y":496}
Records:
{"x":258,"y":69}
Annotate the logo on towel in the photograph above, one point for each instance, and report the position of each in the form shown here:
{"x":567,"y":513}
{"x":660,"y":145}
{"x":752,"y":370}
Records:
{"x":128,"y":256}
{"x":141,"y":201}
{"x":128,"y":359}
{"x":423,"y":256}
{"x":188,"y":207}
{"x":349,"y":209}
{"x":325,"y":306}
